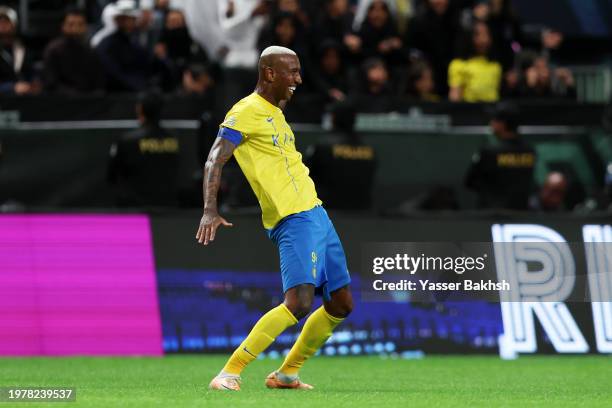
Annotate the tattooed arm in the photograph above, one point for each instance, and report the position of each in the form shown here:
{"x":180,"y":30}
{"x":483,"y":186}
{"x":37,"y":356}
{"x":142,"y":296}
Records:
{"x":219,"y":154}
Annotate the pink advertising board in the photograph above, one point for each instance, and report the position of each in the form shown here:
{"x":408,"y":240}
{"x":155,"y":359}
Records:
{"x":78,"y":285}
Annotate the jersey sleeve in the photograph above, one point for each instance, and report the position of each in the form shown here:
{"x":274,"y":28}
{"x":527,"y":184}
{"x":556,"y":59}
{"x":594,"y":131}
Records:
{"x":232,"y":135}
{"x":237,"y":125}
{"x":456,"y":77}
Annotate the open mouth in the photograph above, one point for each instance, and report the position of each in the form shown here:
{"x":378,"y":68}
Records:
{"x":292,"y":89}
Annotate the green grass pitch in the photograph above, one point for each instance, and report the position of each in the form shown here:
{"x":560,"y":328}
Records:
{"x":181,"y":381}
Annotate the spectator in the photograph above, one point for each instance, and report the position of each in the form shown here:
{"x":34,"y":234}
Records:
{"x":379,"y":35}
{"x":506,"y":30}
{"x":551,"y":40}
{"x":551,"y":197}
{"x":176,"y":47}
{"x":71,"y":66}
{"x":343,"y":167}
{"x":175,"y":42}
{"x":160,"y":10}
{"x":334,"y":23}
{"x":197,"y":80}
{"x":164,"y":6}
{"x":502,"y":174}
{"x":285,"y":31}
{"x":363,"y":6}
{"x":329,"y":76}
{"x":504,"y":25}
{"x":128,"y":66}
{"x":539,"y":81}
{"x":147,"y":33}
{"x":419,"y":82}
{"x":294,"y":7}
{"x":16,"y":71}
{"x":372,"y":88}
{"x":144,"y":20}
{"x":475,"y":77}
{"x":433,"y":33}
{"x":144,"y":163}
{"x":510,"y":84}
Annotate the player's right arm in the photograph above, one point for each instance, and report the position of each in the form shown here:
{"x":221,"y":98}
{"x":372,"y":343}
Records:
{"x":220,"y":153}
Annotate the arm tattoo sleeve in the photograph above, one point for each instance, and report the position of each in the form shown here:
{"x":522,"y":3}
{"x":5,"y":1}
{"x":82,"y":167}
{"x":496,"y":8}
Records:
{"x":219,"y":154}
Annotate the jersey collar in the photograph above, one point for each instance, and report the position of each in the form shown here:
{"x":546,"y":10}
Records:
{"x":266,"y":103}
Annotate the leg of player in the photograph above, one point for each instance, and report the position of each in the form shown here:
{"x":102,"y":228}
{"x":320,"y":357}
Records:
{"x":341,"y":303}
{"x":317,"y":329}
{"x":299,"y":300}
{"x":297,"y":304}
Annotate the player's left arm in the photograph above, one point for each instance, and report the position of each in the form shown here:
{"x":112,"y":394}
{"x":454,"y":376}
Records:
{"x":220,"y":153}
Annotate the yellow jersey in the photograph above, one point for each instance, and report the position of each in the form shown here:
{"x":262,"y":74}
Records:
{"x":479,"y":78}
{"x":267,"y":156}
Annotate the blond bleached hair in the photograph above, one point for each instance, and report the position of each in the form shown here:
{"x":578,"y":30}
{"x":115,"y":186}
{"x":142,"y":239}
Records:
{"x":276,"y":50}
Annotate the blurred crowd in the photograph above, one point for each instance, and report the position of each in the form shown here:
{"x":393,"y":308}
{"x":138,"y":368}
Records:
{"x":429,"y":50}
{"x":354,"y":54}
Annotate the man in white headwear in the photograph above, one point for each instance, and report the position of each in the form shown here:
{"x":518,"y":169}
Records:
{"x":129,"y":67}
{"x":109,"y":13}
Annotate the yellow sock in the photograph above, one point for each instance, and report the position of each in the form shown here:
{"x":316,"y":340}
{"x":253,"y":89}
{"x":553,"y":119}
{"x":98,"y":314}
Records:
{"x":261,"y":336}
{"x":317,"y":329}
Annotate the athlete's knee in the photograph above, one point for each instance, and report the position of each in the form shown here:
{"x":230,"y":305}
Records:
{"x":299,"y":307}
{"x":344,"y":308}
{"x":347,"y":307}
{"x":341,"y":303}
{"x":299,"y":300}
